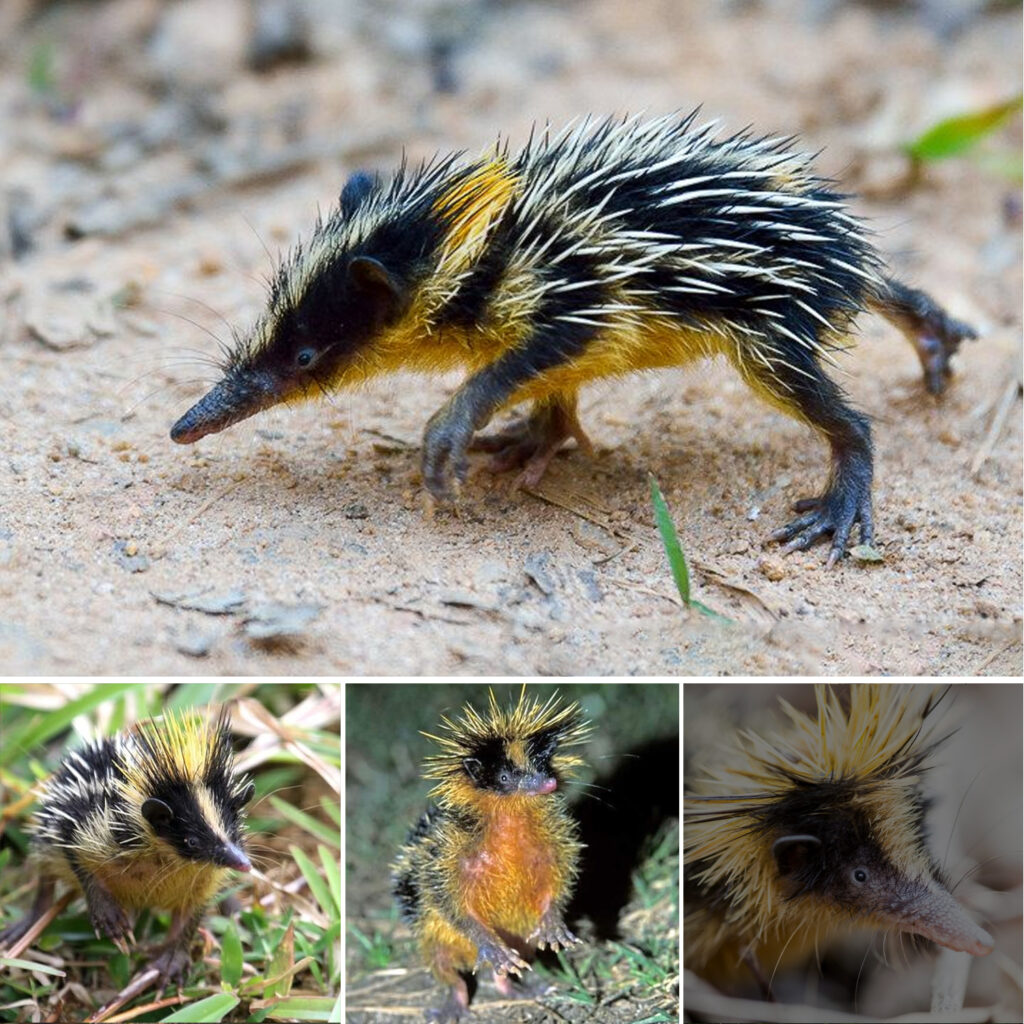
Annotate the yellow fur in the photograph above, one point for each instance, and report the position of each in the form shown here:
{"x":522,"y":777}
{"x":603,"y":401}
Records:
{"x":470,"y":207}
{"x":152,"y":879}
{"x":723,"y":835}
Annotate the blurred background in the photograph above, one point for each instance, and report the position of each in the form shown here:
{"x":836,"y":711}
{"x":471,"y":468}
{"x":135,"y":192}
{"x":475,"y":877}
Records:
{"x":626,"y":902}
{"x":974,"y":833}
{"x":157,"y":157}
{"x":116,"y":112}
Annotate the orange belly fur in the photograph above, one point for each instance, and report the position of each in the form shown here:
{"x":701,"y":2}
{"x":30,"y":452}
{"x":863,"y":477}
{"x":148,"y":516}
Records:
{"x":509,"y":880}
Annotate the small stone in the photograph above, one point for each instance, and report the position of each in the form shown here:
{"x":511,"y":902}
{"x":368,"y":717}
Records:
{"x":865,"y":554}
{"x":537,"y":567}
{"x":129,"y":561}
{"x":355,"y":510}
{"x":275,"y":620}
{"x":194,"y":643}
{"x":772,"y":568}
{"x":209,"y":604}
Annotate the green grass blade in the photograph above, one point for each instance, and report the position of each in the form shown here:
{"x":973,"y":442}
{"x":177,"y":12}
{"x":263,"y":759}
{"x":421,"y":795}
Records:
{"x":206,"y":1011}
{"x":674,"y":551}
{"x":231,"y":955}
{"x":315,"y":828}
{"x":957,"y":135}
{"x":317,"y":886}
{"x":31,"y":965}
{"x":309,"y":1008}
{"x":670,"y":540}
{"x":39,"y":728}
{"x":332,"y":872}
{"x":332,"y":808}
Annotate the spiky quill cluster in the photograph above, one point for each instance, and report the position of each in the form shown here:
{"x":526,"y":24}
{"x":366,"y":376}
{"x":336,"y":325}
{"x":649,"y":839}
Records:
{"x":763,"y":228}
{"x":804,"y":830}
{"x":93,"y":810}
{"x":151,"y":817}
{"x":528,"y":733}
{"x":486,"y":873}
{"x":608,"y":247}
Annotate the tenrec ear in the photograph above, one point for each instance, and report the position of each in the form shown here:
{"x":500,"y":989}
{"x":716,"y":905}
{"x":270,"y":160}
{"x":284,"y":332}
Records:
{"x":356,"y":189}
{"x":794,"y":853}
{"x":157,"y":813}
{"x":246,"y":795}
{"x":384,"y":295}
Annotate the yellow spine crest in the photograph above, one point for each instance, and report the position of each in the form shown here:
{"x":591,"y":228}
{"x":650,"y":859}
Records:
{"x":878,"y":742}
{"x":513,"y":726}
{"x":469,"y":209}
{"x":184,"y":746}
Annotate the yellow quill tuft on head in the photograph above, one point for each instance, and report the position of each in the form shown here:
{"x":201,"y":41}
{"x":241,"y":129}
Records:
{"x":802,"y":831}
{"x":519,"y":722}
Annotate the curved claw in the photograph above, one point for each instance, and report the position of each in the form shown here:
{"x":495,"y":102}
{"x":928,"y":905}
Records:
{"x":935,"y":335}
{"x":835,"y":512}
{"x":503,"y":959}
{"x":173,"y":965}
{"x":107,"y":917}
{"x":445,"y":444}
{"x":444,"y":466}
{"x":554,"y":934}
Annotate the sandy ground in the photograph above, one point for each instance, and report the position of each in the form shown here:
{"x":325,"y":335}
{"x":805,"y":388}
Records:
{"x":147,"y":167}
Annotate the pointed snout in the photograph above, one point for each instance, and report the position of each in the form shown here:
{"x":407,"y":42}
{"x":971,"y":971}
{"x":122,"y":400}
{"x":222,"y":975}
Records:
{"x":932,"y":912}
{"x":538,"y":783}
{"x":232,"y":856}
{"x":237,"y":397}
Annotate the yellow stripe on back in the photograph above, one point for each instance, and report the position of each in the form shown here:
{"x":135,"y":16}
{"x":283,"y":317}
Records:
{"x":469,"y":208}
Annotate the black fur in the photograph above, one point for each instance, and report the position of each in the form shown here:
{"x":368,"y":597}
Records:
{"x":356,"y":190}
{"x":711,"y":239}
{"x":403,"y":885}
{"x":86,"y":790}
